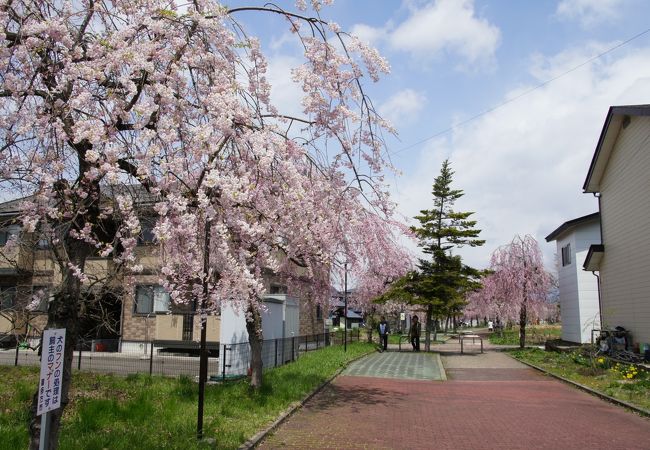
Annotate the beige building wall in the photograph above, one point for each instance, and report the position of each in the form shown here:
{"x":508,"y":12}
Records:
{"x":625,"y":213}
{"x":135,"y":327}
{"x":310,"y":323}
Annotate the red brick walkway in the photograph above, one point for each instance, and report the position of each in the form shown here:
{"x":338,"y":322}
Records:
{"x":479,"y":408}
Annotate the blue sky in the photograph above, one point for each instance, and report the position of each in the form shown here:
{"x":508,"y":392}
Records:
{"x":522,"y":166}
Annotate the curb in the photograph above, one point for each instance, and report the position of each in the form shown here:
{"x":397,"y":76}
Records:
{"x":257,"y":438}
{"x":443,"y":374}
{"x":636,"y":409}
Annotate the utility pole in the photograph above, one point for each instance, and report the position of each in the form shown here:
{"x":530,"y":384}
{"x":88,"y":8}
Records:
{"x":345,"y":310}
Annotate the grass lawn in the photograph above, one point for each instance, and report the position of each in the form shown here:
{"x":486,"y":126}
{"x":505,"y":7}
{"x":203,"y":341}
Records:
{"x":535,"y":335}
{"x":138,"y":411}
{"x":623,"y":382}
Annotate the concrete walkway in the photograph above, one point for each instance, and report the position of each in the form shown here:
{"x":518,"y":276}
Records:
{"x":404,"y":366}
{"x":489,"y":401}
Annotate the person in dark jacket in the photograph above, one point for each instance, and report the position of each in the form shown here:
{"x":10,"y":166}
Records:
{"x":384,"y":329}
{"x":414,"y":333}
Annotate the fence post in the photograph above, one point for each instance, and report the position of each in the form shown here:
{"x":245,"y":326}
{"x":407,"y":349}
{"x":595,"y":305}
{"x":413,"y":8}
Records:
{"x":80,"y":344}
{"x":293,"y":348}
{"x":276,"y":353}
{"x":222,"y":355}
{"x":151,"y":359}
{"x":317,"y":342}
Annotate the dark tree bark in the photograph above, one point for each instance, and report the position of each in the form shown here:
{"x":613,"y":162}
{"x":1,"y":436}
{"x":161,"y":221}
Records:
{"x":522,"y":324}
{"x":255,"y":339}
{"x":429,"y":327}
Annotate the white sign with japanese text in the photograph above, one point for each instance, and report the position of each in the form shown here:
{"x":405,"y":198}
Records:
{"x":51,"y":381}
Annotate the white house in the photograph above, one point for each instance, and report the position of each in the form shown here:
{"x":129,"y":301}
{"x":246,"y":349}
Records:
{"x":619,"y":175}
{"x":579,"y":302}
{"x":280,"y":319}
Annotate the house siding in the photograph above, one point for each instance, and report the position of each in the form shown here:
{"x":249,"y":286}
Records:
{"x":625,"y":210}
{"x":578,"y":289}
{"x":569,"y":307}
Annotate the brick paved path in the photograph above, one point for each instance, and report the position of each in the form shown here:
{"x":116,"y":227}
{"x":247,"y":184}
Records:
{"x":490,"y":401}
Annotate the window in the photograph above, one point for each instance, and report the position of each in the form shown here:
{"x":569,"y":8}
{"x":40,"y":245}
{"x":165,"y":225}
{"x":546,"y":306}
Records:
{"x":43,"y":295}
{"x":277,"y":289}
{"x":319,"y":312}
{"x":566,"y":255}
{"x":146,"y":231}
{"x":151,"y":299}
{"x":7,"y":233}
{"x":7,"y":297}
{"x":43,"y":243}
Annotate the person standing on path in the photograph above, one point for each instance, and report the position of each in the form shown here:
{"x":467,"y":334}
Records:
{"x":384,"y":329}
{"x":414,"y":333}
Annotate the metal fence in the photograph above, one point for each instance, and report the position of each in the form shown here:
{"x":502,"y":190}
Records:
{"x":275,"y":352}
{"x":154,"y":358}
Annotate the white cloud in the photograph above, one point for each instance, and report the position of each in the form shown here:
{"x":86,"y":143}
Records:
{"x":522,"y":167}
{"x":285,"y":94}
{"x":442,"y":27}
{"x":589,"y":12}
{"x":447,"y":26}
{"x":403,"y":106}
{"x":369,"y":35}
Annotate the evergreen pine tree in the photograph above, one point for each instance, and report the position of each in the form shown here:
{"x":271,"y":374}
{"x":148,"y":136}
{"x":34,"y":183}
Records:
{"x":442,"y":280}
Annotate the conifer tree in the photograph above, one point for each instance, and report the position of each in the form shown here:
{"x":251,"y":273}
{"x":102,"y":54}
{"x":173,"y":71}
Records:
{"x":441,"y":281}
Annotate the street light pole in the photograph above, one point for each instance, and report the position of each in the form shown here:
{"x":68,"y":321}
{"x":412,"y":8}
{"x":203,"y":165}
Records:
{"x":345,"y":310}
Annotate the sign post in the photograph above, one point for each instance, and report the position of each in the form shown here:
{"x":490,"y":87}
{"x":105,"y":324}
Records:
{"x":51,"y":379}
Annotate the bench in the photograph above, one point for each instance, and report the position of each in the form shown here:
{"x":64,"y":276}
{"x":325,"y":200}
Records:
{"x":462,"y":337}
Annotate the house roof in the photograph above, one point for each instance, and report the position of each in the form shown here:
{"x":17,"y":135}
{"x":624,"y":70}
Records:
{"x":140,"y":195}
{"x":354,"y":315}
{"x":571,"y":224}
{"x":594,"y":255}
{"x":617,"y":117}
{"x":11,"y":207}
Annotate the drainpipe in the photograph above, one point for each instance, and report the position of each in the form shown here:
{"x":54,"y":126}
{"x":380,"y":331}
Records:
{"x":600,"y":216}
{"x":600,"y":306}
{"x":598,"y":195}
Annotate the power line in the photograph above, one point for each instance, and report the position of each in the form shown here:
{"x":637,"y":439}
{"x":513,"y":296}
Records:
{"x":517,"y":97}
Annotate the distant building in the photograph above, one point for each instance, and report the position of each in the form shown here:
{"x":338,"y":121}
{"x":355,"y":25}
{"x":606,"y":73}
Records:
{"x":579,"y":303}
{"x":338,"y":318}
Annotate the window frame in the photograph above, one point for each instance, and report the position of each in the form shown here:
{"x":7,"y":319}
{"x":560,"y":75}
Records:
{"x":146,"y":235}
{"x":7,"y":232}
{"x":43,"y":305}
{"x":154,"y":289}
{"x":566,"y":255}
{"x":7,"y":288}
{"x":277,"y":289}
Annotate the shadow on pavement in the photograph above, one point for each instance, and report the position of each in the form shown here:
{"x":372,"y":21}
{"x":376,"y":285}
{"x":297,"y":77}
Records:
{"x":358,"y":399}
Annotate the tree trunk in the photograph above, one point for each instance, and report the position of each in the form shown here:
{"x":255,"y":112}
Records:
{"x":255,"y":338}
{"x":427,"y":334}
{"x":435,"y":330}
{"x":369,"y":334}
{"x":522,"y":324}
{"x":63,"y":313}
